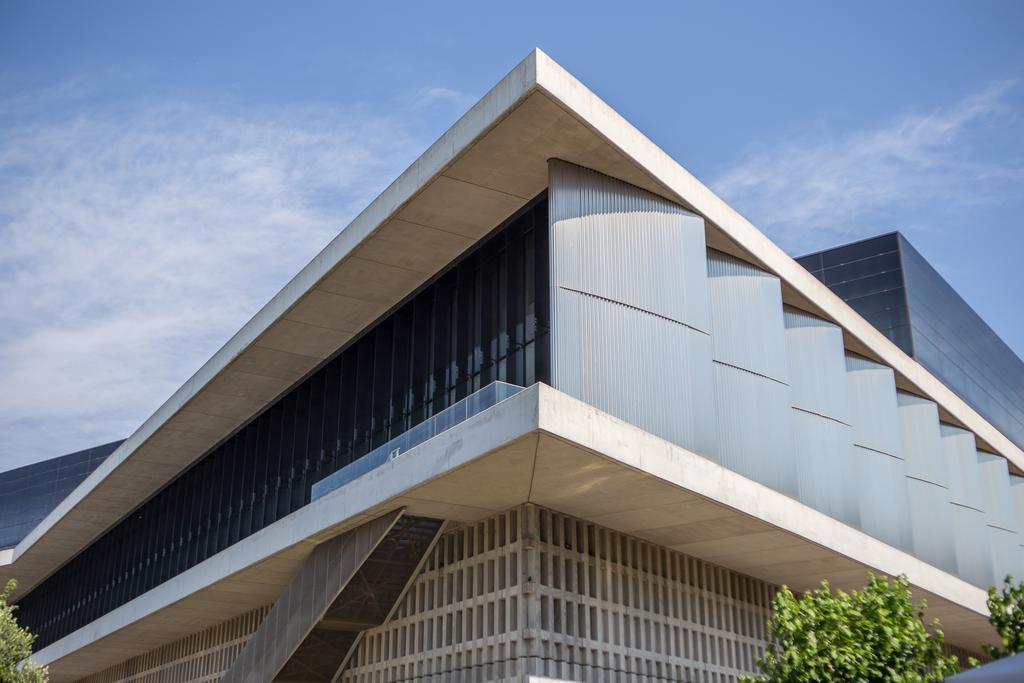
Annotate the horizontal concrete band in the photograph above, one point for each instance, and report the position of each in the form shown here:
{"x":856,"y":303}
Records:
{"x":544,"y":447}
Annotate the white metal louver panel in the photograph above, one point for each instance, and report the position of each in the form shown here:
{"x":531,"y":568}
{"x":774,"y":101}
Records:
{"x":880,"y":485}
{"x":967,"y":505}
{"x":822,"y":436}
{"x":999,"y":493}
{"x":754,"y":434}
{"x":629,"y":319}
{"x":927,"y":492}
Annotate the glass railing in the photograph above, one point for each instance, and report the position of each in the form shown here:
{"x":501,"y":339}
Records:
{"x":454,"y":414}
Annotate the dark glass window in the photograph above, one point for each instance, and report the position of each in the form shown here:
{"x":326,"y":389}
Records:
{"x":866,"y":267}
{"x":29,"y":493}
{"x":953,"y":341}
{"x":889,"y":283}
{"x":882,"y":282}
{"x":860,"y":250}
{"x":480,"y":320}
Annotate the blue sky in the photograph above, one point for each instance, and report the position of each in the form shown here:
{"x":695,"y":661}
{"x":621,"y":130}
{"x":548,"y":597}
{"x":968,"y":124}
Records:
{"x":165,"y":168}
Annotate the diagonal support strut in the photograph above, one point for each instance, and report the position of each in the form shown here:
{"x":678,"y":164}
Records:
{"x":312,"y":590}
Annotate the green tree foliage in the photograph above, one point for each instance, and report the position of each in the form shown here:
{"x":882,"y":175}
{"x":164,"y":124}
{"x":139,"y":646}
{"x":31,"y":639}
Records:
{"x":15,"y":645}
{"x":1006,"y":614}
{"x":877,"y":634}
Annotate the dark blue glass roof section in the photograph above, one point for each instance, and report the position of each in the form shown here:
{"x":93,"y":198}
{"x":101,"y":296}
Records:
{"x":890,"y":284}
{"x":27,"y":494}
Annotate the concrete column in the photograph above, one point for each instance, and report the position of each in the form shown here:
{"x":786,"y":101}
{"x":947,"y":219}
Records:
{"x":532,"y":631}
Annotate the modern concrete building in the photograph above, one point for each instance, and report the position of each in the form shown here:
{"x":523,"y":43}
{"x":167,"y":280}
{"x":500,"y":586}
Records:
{"x":547,"y":409}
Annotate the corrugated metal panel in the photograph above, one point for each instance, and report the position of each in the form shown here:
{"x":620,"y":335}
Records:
{"x":962,"y":467}
{"x":881,"y":488}
{"x":996,"y":492}
{"x":871,"y":388}
{"x":630,"y":305}
{"x":973,"y":550}
{"x":1004,"y":505}
{"x":751,"y":396}
{"x":746,"y":317}
{"x":1017,"y":494}
{"x":823,"y":449}
{"x":754,"y":430}
{"x":618,"y":242}
{"x":817,"y":365}
{"x":921,"y":441}
{"x":768,"y":393}
{"x":931,"y":523}
{"x":822,"y":437}
{"x":649,"y":371}
{"x":970,"y":534}
{"x":880,"y":483}
{"x":930,"y":516}
{"x":1006,"y":555}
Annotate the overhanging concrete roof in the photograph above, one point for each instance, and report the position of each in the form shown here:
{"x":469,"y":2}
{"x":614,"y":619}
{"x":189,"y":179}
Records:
{"x":479,"y":172}
{"x":544,"y":447}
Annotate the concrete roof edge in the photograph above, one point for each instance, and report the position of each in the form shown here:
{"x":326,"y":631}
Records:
{"x":487,"y":112}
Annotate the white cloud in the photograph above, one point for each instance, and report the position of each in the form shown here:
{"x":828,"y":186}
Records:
{"x":136,"y":241}
{"x":435,"y":95}
{"x":823,"y":188}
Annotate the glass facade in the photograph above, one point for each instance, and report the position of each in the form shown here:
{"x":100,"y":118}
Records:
{"x":483,"y":319}
{"x":27,"y":494}
{"x":887,"y":281}
{"x":453,"y":415}
{"x":868,"y":276}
